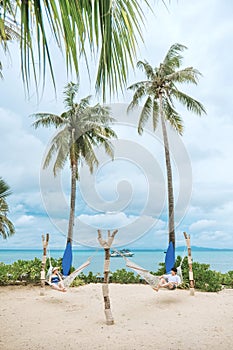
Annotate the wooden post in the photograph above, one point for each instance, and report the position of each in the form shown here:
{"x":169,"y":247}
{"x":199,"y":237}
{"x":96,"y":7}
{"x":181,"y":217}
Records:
{"x":45,"y":243}
{"x":106,"y":245}
{"x":191,"y":279}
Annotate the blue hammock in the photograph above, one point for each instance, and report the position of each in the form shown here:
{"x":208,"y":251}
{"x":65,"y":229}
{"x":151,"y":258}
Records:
{"x":67,"y":259}
{"x":170,"y":258}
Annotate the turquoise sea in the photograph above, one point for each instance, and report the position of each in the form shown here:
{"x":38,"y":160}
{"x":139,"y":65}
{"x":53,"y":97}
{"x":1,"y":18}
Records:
{"x":219,"y":260}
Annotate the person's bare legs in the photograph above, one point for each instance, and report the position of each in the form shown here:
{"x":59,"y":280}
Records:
{"x":60,"y":287}
{"x":161,"y":284}
{"x":169,"y":285}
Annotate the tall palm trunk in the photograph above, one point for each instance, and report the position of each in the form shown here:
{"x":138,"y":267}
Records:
{"x":73,"y":163}
{"x":169,"y":176}
{"x":67,"y":256}
{"x":72,"y":202}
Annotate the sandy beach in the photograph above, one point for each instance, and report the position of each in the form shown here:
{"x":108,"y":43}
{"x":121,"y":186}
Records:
{"x":143,"y":319}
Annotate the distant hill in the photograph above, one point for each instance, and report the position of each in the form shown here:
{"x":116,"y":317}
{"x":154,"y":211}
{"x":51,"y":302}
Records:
{"x":199,"y":249}
{"x":182,"y":248}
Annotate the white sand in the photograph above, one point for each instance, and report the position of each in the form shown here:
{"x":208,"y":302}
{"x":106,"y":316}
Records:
{"x":143,"y":319}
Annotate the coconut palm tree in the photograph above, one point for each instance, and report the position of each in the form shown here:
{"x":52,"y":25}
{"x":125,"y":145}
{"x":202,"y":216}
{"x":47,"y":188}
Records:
{"x":81,"y":129}
{"x":6,"y":227}
{"x":160,"y":91}
{"x":110,"y":30}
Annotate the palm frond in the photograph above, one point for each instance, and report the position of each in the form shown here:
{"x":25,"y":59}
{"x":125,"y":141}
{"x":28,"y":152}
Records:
{"x":63,"y":151}
{"x":190,"y":103}
{"x":60,"y":147}
{"x":145,"y":114}
{"x":138,"y":95}
{"x":4,"y":189}
{"x":138,"y":85}
{"x":6,"y":227}
{"x":70,"y":92}
{"x":146,"y":67}
{"x":86,"y":152}
{"x":110,"y":30}
{"x":173,"y":58}
{"x":117,"y":23}
{"x":84,"y":103}
{"x":4,"y":208}
{"x":186,"y":75}
{"x":47,"y":120}
{"x":173,"y":117}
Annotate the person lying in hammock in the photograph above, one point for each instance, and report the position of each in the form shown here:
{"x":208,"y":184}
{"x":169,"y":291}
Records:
{"x":169,"y":281}
{"x":56,"y":281}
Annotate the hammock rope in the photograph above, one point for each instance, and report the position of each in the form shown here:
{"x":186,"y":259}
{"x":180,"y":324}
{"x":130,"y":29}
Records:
{"x":179,"y":268}
{"x":69,"y":279}
{"x":151,"y":279}
{"x":50,"y":266}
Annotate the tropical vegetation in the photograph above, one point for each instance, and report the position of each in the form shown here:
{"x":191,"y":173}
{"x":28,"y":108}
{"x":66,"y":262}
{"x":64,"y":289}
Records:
{"x":6,"y":226}
{"x":108,"y":30}
{"x":159,"y":94}
{"x":28,"y":272}
{"x":81,"y":128}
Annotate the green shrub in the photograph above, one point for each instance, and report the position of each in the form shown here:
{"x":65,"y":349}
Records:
{"x":227,"y":279}
{"x":77,"y":282}
{"x":29,"y":272}
{"x":90,"y":278}
{"x":5,"y":275}
{"x":123,"y":276}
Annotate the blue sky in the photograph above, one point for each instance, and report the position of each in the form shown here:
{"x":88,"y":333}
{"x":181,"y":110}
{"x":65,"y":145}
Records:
{"x":130,"y":192}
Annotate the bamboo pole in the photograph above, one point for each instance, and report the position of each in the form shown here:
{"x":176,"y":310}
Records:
{"x":190,"y":262}
{"x":106,"y":245}
{"x":45,"y":243}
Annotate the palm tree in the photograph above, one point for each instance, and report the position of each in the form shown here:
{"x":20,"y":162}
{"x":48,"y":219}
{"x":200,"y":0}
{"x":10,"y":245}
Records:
{"x":6,"y":226}
{"x":160,"y":92}
{"x":81,"y":128}
{"x":110,"y":29}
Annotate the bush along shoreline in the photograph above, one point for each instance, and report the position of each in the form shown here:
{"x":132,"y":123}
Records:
{"x":27,"y":272}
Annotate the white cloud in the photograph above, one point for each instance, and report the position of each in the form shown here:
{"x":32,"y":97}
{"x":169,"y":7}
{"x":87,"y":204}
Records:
{"x":24,"y":220}
{"x":202,"y":225}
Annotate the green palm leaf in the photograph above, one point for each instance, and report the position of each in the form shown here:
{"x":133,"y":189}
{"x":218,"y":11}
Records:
{"x":190,"y":103}
{"x":145,"y":114}
{"x":4,"y":189}
{"x":108,"y":30}
{"x":173,"y":58}
{"x":6,"y":226}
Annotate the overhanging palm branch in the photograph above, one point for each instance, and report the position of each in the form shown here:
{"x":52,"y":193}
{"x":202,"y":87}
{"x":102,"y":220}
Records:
{"x":110,"y":30}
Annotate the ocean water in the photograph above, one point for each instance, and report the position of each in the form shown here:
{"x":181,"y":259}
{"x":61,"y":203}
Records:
{"x":219,"y":260}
